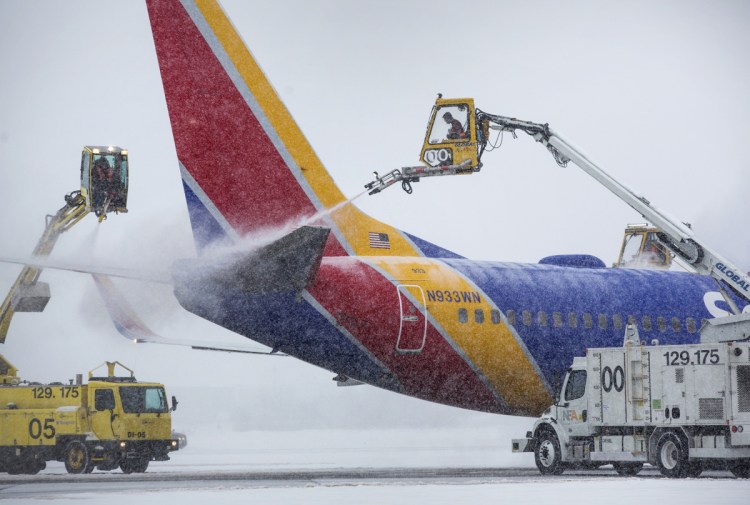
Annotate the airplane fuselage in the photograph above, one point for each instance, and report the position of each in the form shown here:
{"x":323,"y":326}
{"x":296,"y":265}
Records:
{"x":487,"y":336}
{"x":382,"y":306}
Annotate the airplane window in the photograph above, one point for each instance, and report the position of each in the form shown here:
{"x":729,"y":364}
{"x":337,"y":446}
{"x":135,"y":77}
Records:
{"x":478,"y":316}
{"x":495,"y":316}
{"x":646,"y":320}
{"x":526,"y":318}
{"x":511,"y":315}
{"x":602,"y":322}
{"x":691,"y":327}
{"x":661,"y":323}
{"x":617,"y":320}
{"x":588,"y":322}
{"x":541,"y":318}
{"x":557,"y":320}
{"x":572,"y":320}
{"x":676,"y":326}
{"x":463,"y":316}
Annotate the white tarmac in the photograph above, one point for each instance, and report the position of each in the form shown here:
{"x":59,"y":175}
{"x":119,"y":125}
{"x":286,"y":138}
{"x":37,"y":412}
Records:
{"x":434,"y":466}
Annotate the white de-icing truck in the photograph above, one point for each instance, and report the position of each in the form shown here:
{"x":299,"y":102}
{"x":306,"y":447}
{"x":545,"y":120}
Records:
{"x":681,"y":408}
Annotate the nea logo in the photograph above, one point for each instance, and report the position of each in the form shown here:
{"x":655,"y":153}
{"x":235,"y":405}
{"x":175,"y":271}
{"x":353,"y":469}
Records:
{"x":571,"y":416}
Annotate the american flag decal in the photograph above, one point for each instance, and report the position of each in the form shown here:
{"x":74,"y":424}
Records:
{"x":379,"y":240}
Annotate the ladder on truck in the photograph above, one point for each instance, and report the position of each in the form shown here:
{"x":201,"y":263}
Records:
{"x":638,"y":369}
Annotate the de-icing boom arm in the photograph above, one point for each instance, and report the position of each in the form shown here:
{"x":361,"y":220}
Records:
{"x":676,"y":236}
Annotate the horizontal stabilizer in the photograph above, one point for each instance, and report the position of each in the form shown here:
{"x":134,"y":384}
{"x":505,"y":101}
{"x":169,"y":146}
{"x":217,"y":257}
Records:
{"x":288,"y":264}
{"x":137,"y":274}
{"x":129,"y":325}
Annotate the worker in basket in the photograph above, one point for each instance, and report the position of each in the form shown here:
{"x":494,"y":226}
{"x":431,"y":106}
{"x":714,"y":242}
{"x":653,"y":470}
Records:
{"x":456,"y":130}
{"x":105,"y":186}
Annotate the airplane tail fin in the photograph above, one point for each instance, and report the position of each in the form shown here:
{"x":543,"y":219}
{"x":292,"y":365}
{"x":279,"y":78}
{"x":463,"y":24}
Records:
{"x":246,"y":166}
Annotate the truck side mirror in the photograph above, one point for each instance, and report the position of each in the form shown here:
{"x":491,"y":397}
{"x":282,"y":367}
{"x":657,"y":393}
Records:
{"x":174,"y":403}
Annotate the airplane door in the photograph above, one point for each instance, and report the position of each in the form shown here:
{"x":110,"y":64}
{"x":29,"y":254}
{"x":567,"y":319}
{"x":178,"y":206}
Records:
{"x":413,"y":328}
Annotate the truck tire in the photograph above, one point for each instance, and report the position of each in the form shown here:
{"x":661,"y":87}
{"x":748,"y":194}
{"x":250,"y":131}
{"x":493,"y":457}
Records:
{"x":672,"y":456}
{"x":77,"y":458}
{"x":627,"y":469}
{"x":134,"y":465}
{"x":694,"y":470}
{"x":741,"y":470}
{"x":547,"y":453}
{"x":32,"y":465}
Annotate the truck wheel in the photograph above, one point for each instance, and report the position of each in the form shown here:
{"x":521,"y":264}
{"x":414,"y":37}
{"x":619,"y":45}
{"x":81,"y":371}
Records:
{"x":134,"y":465}
{"x":32,"y":465}
{"x":694,"y":469}
{"x":126,"y":465}
{"x":77,"y":458}
{"x":140,"y":465}
{"x":547,"y":454}
{"x":672,"y":456}
{"x":15,"y":467}
{"x":741,"y":470}
{"x":627,"y":469}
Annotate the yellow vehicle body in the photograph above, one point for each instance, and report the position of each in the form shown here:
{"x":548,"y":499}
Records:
{"x":109,"y":422}
{"x":451,"y":137}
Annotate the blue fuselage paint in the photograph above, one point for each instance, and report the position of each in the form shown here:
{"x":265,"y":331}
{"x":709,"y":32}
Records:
{"x":575,"y":292}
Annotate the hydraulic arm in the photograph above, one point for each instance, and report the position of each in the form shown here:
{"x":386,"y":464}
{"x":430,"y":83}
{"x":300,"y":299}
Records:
{"x":27,"y":294}
{"x":104,"y":189}
{"x":676,"y":236}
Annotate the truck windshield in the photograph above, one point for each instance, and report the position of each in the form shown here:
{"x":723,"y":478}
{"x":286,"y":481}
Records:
{"x":140,"y":399}
{"x":451,"y":123}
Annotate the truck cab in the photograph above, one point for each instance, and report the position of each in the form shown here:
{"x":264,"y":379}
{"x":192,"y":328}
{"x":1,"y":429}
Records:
{"x":571,"y":411}
{"x":451,"y":137}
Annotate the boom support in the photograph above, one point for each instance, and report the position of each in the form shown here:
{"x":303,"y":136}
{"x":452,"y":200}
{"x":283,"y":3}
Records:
{"x":457,"y":146}
{"x":676,"y":236}
{"x":104,"y":189}
{"x":26,"y":294}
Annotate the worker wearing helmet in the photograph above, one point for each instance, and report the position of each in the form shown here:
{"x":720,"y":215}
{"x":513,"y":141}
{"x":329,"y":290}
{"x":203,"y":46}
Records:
{"x":456,"y":130}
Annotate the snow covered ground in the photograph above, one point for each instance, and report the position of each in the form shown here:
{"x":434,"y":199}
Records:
{"x":612,"y":492}
{"x":229,"y":451}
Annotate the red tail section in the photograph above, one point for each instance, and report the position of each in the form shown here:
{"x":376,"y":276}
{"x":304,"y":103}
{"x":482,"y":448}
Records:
{"x":245,"y":164}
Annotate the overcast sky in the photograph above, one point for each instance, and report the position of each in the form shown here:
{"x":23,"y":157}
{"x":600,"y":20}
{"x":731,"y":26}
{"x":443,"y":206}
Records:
{"x":655,"y":92}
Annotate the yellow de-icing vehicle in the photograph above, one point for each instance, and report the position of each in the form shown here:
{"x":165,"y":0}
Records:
{"x":113,"y":421}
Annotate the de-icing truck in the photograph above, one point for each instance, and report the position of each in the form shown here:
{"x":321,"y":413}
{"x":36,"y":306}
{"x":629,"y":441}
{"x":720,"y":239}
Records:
{"x":111,"y":421}
{"x":681,"y":408}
